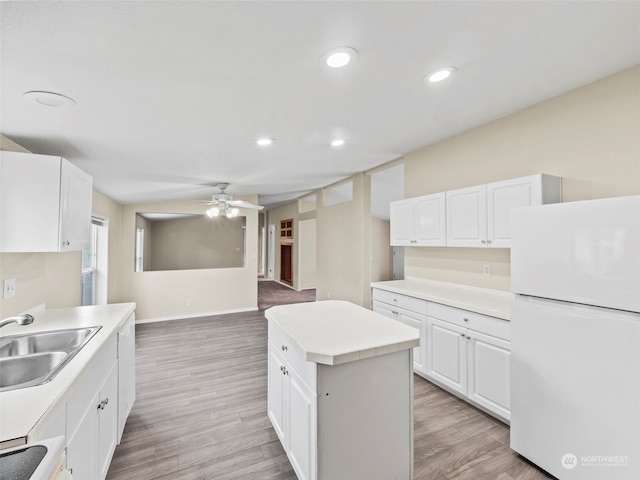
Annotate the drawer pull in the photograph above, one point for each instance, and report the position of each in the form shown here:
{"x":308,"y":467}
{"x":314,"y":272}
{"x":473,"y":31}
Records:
{"x":284,"y":348}
{"x":465,"y":319}
{"x":462,"y":335}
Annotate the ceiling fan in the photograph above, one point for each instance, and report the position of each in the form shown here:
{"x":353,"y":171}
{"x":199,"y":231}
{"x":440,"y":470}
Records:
{"x":223,"y":204}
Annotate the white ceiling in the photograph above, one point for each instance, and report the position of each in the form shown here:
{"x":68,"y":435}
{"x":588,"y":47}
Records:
{"x":171,"y":95}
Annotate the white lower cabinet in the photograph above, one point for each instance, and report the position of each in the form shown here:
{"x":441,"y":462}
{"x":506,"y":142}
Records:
{"x":410,"y":311}
{"x":92,"y":418}
{"x":470,"y":357}
{"x":126,"y":371}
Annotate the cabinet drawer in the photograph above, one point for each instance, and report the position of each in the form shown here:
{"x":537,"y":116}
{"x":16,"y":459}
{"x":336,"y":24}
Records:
{"x":88,"y":385}
{"x":403,"y":301}
{"x":475,"y":321}
{"x":294,"y":357}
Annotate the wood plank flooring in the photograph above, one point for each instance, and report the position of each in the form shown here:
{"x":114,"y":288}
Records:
{"x":201,"y":413}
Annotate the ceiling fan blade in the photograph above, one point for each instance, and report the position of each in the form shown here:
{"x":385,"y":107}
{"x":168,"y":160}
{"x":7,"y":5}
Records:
{"x":243,"y":204}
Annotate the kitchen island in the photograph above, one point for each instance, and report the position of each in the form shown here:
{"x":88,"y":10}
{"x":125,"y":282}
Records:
{"x":341,"y":390}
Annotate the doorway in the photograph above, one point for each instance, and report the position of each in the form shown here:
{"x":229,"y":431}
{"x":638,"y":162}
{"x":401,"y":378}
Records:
{"x":286,"y":263}
{"x":271,"y":253}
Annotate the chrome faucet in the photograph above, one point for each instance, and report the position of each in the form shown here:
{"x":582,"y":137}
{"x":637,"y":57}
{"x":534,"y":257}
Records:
{"x":24,"y":319}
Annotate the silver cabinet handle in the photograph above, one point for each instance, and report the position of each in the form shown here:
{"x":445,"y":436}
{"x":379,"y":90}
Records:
{"x":468,"y":337}
{"x":284,"y":348}
{"x":462,"y":335}
{"x":65,"y":243}
{"x":465,"y":319}
{"x":483,"y":241}
{"x":489,"y":241}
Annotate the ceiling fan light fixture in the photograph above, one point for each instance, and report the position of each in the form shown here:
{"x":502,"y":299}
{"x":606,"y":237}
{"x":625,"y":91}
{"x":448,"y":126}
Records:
{"x":439,"y":75}
{"x":232,"y":212}
{"x":213,"y":212}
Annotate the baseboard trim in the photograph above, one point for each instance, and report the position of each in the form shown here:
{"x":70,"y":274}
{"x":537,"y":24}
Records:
{"x":196,"y":315}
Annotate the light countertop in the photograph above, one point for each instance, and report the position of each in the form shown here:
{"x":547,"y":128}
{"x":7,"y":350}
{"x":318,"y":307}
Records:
{"x":495,"y":303}
{"x":21,"y":409}
{"x":332,"y":332}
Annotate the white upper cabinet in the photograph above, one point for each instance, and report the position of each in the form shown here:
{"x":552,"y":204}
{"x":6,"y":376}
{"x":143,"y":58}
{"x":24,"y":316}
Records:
{"x":502,"y":197}
{"x":467,"y":217}
{"x":481,"y":216}
{"x":45,"y":204}
{"x":419,"y":221}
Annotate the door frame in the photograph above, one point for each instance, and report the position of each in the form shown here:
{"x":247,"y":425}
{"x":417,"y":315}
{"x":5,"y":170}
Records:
{"x":271,"y":254}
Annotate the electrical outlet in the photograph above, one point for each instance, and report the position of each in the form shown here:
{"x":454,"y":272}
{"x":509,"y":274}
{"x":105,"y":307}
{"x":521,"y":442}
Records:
{"x":486,"y":269}
{"x":9,"y":288}
{"x":189,"y":302}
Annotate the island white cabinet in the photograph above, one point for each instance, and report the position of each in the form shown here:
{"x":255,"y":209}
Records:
{"x":410,"y":311}
{"x":45,"y":204}
{"x":340,"y":391}
{"x":418,"y":221}
{"x":468,"y":353}
{"x":480,"y":216}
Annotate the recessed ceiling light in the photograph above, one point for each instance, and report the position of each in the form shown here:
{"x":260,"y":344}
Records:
{"x":340,"y":56}
{"x":440,"y":74}
{"x":263,"y":142}
{"x":50,"y":99}
{"x":338,"y":142}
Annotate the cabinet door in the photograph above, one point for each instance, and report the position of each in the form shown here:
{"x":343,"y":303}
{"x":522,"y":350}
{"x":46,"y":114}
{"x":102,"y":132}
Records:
{"x":447,"y":354}
{"x":107,"y":422}
{"x":82,"y":458}
{"x":126,"y":372}
{"x":467,"y":217}
{"x":276,"y":394}
{"x":30,"y":191}
{"x":501,"y":198}
{"x":402,"y":222}
{"x":488,"y":367}
{"x":430,"y":220}
{"x":302,"y":420}
{"x":75,"y":207}
{"x":414,"y":320}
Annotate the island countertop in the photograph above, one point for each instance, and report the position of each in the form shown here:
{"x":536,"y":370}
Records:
{"x":333,"y":332}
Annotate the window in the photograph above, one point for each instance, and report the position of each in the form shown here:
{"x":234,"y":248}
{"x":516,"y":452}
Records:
{"x":139,"y":249}
{"x":338,"y":194}
{"x":89,"y":268}
{"x":286,"y":229}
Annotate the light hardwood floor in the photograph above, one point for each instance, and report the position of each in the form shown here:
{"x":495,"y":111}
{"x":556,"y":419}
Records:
{"x":201,"y":413}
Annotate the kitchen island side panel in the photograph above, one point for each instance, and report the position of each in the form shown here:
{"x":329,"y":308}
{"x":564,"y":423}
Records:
{"x":365,"y":419}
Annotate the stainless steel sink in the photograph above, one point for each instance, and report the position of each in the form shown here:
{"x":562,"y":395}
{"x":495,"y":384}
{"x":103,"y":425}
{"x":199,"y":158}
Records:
{"x":58,"y":340}
{"x":33,"y":359}
{"x":28,"y":368}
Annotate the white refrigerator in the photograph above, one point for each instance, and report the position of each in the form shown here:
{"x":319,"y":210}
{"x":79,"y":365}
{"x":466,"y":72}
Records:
{"x":575,"y":360}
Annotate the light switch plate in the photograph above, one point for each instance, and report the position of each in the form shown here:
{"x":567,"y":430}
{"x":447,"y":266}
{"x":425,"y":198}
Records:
{"x":9,"y":288}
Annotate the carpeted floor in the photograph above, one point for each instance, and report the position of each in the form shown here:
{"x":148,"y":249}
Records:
{"x":272,"y":293}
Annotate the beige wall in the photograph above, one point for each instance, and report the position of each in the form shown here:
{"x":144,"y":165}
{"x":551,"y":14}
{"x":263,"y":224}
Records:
{"x":166,"y":294}
{"x":307,"y":255}
{"x":274,"y":216}
{"x":381,"y":252}
{"x":344,"y":246}
{"x":589,"y":136}
{"x":195,"y":243}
